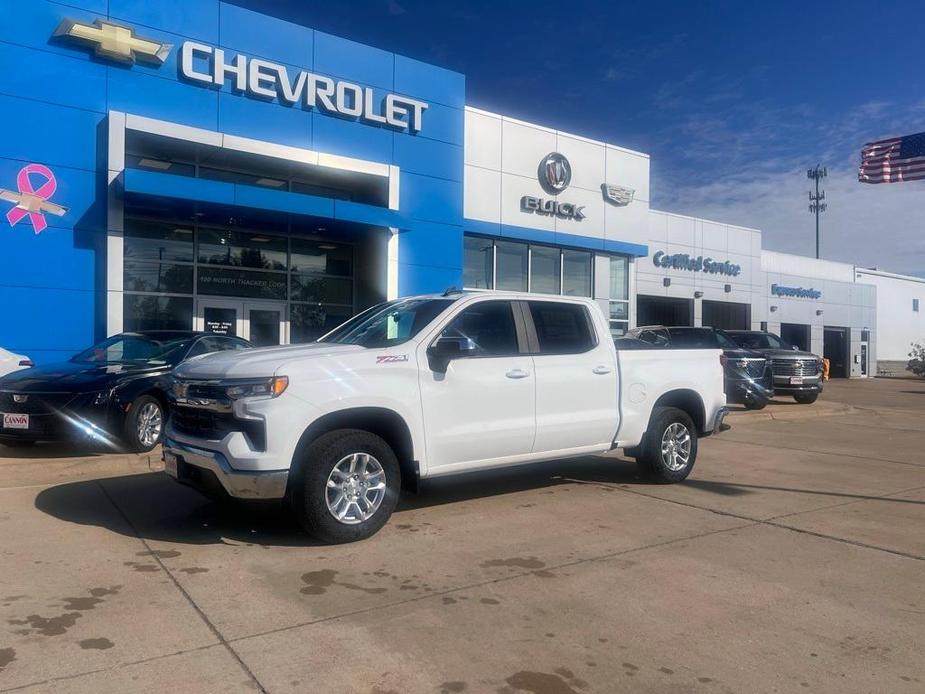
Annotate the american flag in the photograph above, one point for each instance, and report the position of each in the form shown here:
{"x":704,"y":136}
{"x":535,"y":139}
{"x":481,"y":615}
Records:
{"x":893,"y":160}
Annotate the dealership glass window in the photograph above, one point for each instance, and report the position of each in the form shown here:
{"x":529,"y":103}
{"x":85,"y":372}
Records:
{"x":478,"y":263}
{"x":242,"y":249}
{"x":159,"y":278}
{"x":148,"y":240}
{"x":314,"y":288}
{"x":142,"y":312}
{"x":308,"y":322}
{"x":545,"y":270}
{"x":518,"y":266}
{"x":321,"y":258}
{"x":216,"y":281}
{"x":511,"y":262}
{"x":619,"y":295}
{"x":576,"y":273}
{"x":160,"y":266}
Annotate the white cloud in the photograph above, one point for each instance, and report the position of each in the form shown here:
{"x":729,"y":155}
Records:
{"x":752,"y":172}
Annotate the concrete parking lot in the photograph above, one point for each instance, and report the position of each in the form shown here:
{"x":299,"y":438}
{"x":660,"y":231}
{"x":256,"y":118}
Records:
{"x":793,"y":559}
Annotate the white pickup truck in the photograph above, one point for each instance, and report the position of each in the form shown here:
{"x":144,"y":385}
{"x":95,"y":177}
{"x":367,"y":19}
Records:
{"x":428,"y":386}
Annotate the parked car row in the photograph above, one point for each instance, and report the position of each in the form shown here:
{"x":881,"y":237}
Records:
{"x":114,"y":393}
{"x":757,"y":365}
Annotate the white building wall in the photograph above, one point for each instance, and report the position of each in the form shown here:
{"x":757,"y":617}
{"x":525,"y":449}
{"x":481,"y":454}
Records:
{"x":898,"y":326}
{"x":673,"y":234}
{"x":502,"y":157}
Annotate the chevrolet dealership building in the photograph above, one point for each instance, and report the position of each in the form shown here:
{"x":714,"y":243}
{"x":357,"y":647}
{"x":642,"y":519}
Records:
{"x":187,"y":165}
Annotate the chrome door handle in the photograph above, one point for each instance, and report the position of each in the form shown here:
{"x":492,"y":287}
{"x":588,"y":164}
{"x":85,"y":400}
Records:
{"x":517,"y":373}
{"x":601,"y":370}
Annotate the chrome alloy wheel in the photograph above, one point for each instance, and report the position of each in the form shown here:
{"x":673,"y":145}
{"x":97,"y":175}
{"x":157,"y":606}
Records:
{"x":355,"y":488}
{"x":676,"y":447}
{"x":150,"y":423}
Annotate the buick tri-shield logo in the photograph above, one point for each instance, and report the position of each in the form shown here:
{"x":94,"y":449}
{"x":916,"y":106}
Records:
{"x":555,"y":173}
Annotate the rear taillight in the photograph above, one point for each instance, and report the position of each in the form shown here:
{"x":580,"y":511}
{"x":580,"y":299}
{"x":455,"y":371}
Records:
{"x":28,"y":363}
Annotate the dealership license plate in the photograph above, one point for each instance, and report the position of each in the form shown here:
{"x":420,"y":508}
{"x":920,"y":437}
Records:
{"x":15,"y":421}
{"x":170,"y":464}
{"x":796,"y":380}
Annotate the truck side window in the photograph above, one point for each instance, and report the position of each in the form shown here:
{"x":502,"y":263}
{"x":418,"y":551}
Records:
{"x":490,"y":325}
{"x":562,"y":328}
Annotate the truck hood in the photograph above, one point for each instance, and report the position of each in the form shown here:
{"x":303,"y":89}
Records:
{"x":786,"y":354}
{"x":258,"y":363}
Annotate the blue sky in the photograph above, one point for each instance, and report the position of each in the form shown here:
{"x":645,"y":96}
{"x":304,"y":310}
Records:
{"x":732,"y":100}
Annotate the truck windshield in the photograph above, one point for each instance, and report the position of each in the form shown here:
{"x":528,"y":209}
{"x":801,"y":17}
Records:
{"x":388,"y":324}
{"x":700,"y":338}
{"x":759,"y":341}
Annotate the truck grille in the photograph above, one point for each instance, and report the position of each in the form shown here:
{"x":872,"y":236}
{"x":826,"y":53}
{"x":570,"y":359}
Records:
{"x":755,"y":368}
{"x":795,"y":367}
{"x":214,"y":426}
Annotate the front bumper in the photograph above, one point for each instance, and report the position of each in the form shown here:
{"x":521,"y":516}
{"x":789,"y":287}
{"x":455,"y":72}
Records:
{"x":810,"y":384}
{"x":209,"y":472}
{"x":73,"y":422}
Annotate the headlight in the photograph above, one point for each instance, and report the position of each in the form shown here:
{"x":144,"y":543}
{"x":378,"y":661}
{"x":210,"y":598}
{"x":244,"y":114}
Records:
{"x":268,"y":387}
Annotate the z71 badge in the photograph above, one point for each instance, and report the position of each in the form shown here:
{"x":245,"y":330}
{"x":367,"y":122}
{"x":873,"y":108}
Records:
{"x":391,"y":358}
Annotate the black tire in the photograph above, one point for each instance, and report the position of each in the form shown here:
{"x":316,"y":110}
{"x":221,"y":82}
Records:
{"x":310,"y":497}
{"x":806,"y":398}
{"x":131,"y":434}
{"x":650,"y":459}
{"x":17,"y":443}
{"x":755,"y":403}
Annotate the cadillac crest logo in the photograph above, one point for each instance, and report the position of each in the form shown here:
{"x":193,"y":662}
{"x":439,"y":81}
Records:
{"x":617,"y":195}
{"x":555,"y":173}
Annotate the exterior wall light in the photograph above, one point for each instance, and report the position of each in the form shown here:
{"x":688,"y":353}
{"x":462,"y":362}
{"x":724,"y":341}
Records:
{"x":773,"y":308}
{"x":697,"y":295}
{"x":818,"y":311}
{"x":727,"y":288}
{"x":666,"y":281}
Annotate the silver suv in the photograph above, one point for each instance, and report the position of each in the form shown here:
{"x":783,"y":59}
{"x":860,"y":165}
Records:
{"x":796,"y":373}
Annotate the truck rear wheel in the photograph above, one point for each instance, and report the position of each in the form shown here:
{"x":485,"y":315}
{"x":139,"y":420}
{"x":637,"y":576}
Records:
{"x":349,"y":487}
{"x":669,"y":449}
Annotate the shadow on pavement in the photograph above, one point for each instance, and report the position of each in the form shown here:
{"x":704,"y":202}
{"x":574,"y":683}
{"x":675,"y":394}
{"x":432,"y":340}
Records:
{"x":153,"y":507}
{"x":54,"y":450}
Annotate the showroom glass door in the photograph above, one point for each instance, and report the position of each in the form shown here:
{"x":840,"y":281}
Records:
{"x":220,"y":316}
{"x":265,"y":323}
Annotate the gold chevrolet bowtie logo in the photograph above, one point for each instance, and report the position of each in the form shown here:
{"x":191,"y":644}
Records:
{"x":115,"y":41}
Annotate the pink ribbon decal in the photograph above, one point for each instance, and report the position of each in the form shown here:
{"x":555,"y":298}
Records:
{"x":31,"y":198}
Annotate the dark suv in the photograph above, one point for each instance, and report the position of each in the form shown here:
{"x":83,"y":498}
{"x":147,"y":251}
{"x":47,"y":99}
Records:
{"x":748,"y":376}
{"x":796,"y":373}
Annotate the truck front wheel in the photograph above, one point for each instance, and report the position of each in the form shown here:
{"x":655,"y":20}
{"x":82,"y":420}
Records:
{"x":349,"y":487}
{"x":669,"y":450}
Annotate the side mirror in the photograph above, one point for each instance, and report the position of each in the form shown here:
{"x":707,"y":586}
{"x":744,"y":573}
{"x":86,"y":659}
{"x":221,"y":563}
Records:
{"x":445,"y":349}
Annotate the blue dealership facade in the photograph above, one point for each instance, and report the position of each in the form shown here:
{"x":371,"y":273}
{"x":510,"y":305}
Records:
{"x":66,"y":106}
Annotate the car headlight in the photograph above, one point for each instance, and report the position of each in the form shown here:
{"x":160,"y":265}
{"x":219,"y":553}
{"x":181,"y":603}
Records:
{"x":267,"y":387}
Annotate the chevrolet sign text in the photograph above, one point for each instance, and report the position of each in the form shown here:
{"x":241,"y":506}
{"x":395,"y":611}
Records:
{"x":266,"y":80}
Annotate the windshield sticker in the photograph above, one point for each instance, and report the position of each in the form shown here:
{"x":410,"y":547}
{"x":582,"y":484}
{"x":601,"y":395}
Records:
{"x":391,"y":358}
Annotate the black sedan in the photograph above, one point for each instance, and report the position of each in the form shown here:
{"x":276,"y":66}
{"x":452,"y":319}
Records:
{"x":112,"y":393}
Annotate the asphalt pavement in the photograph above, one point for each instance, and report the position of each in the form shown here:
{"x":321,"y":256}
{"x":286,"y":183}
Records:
{"x":793,"y":559}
